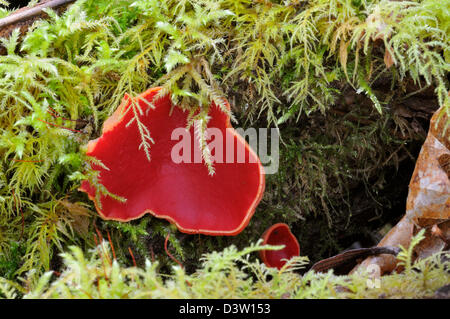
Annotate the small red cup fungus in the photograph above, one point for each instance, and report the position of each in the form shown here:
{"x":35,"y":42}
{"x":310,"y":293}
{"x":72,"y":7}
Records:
{"x":183,"y":193}
{"x":279,"y":234}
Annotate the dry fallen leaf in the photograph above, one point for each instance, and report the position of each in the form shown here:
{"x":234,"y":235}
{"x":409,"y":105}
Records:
{"x":429,"y":189}
{"x":442,"y":230}
{"x":434,"y":240}
{"x":444,"y":162}
{"x":388,"y":58}
{"x":428,"y":203}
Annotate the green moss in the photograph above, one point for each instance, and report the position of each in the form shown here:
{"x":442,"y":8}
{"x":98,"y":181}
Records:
{"x":231,"y":273}
{"x":10,"y":263}
{"x":287,"y":64}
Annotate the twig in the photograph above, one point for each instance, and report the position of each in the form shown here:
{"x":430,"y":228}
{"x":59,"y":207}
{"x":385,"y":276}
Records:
{"x":132,"y":256}
{"x":168,"y":253}
{"x":111,"y":244}
{"x":32,"y":12}
{"x":59,"y":126}
{"x":349,"y":258}
{"x":55,"y":115}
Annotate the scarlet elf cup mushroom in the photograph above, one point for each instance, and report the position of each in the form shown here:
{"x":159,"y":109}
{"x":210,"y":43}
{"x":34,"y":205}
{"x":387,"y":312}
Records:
{"x":279,"y":234}
{"x":183,"y":193}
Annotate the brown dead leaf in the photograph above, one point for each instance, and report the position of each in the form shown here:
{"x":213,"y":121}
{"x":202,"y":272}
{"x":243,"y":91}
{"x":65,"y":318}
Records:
{"x":430,"y":245}
{"x":428,"y":202}
{"x":429,"y":189}
{"x":388,"y":58}
{"x":442,"y":230}
{"x":440,"y":127}
{"x":444,"y":162}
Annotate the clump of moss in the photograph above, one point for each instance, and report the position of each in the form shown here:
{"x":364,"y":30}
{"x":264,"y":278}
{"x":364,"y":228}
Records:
{"x":231,"y":273}
{"x":311,"y":68}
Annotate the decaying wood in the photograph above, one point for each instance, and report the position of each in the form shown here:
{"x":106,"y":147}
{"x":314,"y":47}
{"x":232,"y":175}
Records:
{"x":343,"y":263}
{"x":400,"y":234}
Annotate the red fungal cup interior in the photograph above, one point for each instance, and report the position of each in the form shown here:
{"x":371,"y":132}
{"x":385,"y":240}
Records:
{"x":279,"y":234}
{"x":183,"y":193}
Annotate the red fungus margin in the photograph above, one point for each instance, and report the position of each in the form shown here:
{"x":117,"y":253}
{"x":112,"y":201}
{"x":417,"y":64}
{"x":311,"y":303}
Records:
{"x":183,"y":193}
{"x":279,"y":234}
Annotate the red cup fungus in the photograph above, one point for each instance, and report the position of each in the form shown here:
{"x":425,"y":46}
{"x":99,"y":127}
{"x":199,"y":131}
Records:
{"x":183,"y":193}
{"x":279,"y":234}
